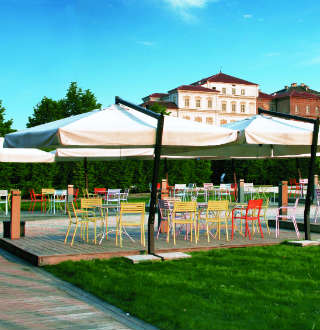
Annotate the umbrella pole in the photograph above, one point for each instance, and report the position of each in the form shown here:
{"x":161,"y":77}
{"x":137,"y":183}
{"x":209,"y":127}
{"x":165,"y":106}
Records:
{"x":298,"y":167}
{"x":310,"y":188}
{"x":85,"y":166}
{"x":155,"y":176}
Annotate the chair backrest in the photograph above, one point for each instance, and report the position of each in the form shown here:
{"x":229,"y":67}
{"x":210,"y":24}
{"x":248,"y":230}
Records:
{"x":87,"y":203}
{"x":3,"y":193}
{"x":191,"y":185}
{"x":218,"y":205}
{"x":61,"y":192}
{"x":47,"y":191}
{"x":292,"y":182}
{"x":180,"y":186}
{"x":99,"y":190}
{"x":132,"y":208}
{"x":255,"y":204}
{"x":208,"y":185}
{"x":71,"y":210}
{"x":185,"y":206}
{"x":114,"y":191}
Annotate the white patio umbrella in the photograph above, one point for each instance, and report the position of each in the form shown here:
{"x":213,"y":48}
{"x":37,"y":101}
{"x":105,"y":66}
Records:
{"x":261,"y":136}
{"x":117,"y":127}
{"x":24,"y":155}
{"x":124,"y":125}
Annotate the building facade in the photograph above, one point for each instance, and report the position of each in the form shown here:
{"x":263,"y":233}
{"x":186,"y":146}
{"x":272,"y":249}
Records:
{"x":218,"y":99}
{"x":297,"y":100}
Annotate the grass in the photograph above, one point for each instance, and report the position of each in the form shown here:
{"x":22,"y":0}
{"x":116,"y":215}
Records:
{"x":273,"y":287}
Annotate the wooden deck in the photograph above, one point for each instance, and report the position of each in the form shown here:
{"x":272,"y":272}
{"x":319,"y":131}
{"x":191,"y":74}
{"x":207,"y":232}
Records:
{"x":44,"y":243}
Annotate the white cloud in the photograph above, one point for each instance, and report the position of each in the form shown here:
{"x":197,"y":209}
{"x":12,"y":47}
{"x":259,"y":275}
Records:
{"x":272,"y":54}
{"x":146,"y":43}
{"x":184,"y":7}
{"x":246,"y":16}
{"x":187,"y":3}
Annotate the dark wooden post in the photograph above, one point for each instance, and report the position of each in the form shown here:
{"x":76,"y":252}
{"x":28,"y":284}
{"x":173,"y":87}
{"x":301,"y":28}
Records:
{"x":283,"y":196}
{"x":15,"y":215}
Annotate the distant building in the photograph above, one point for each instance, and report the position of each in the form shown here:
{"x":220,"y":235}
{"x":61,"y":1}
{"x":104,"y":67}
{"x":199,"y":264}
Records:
{"x":297,"y":100}
{"x":218,"y":99}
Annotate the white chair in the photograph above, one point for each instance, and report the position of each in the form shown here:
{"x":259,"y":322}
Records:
{"x":124,"y":195}
{"x":248,"y":190}
{"x":59,"y":197}
{"x":224,"y":191}
{"x":291,"y":215}
{"x":207,"y":189}
{"x":113,"y":198}
{"x":318,"y":204}
{"x":180,"y":191}
{"x":4,"y":199}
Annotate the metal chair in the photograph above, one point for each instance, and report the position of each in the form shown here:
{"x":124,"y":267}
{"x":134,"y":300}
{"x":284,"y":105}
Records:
{"x":184,"y":213}
{"x":217,"y":213}
{"x":251,"y":213}
{"x":180,"y":191}
{"x":123,"y":221}
{"x":4,"y":199}
{"x":318,"y":204}
{"x":59,"y":197}
{"x":37,"y":198}
{"x":291,"y":215}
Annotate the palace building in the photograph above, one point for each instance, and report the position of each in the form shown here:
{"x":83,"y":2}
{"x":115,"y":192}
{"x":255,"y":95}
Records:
{"x":218,"y":99}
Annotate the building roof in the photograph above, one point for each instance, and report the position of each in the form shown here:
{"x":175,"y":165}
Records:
{"x":264,"y":95}
{"x":191,"y":88}
{"x":168,"y":105}
{"x":301,"y":89}
{"x":157,"y":95}
{"x":294,"y":93}
{"x":222,"y":77}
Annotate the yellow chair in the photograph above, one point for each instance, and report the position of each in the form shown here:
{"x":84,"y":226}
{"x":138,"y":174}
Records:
{"x":183,"y":213}
{"x":122,"y":221}
{"x":75,"y":218}
{"x":217,"y":213}
{"x":48,"y":194}
{"x":91,"y":211}
{"x":263,"y":214}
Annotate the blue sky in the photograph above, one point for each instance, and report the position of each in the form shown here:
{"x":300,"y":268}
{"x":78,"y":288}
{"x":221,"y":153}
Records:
{"x":133,"y":48}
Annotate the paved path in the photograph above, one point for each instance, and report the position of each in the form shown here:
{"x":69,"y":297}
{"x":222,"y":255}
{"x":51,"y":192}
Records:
{"x":30,"y":298}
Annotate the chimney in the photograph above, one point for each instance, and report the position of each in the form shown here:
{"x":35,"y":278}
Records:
{"x":294,"y":85}
{"x":286,"y":87}
{"x":302,"y":84}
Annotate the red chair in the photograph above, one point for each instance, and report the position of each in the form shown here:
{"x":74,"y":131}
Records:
{"x":37,"y":198}
{"x":101,"y":192}
{"x":234,"y":191}
{"x":250,"y":213}
{"x":295,"y":188}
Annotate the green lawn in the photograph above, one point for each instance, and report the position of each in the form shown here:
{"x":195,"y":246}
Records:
{"x":274,"y":287}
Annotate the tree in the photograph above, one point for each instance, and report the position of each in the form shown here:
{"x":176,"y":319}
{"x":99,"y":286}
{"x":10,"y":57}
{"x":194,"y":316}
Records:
{"x":5,"y":126}
{"x":159,"y":108}
{"x":45,"y":111}
{"x":78,"y":101}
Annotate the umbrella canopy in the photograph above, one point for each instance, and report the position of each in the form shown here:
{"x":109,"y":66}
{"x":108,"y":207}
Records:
{"x":262,"y":136}
{"x":21,"y":155}
{"x":119,"y":126}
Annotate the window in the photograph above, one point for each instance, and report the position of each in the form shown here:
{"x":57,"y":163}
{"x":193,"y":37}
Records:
{"x":223,"y":121}
{"x":210,"y":103}
{"x":198,"y":119}
{"x":296,"y":108}
{"x":198,"y":102}
{"x":233,"y":107}
{"x":186,"y":117}
{"x":209,"y":120}
{"x":308,"y":109}
{"x":224,"y":106}
{"x":233,"y":91}
{"x":317,"y":110}
{"x":187,"y":102}
{"x":224,"y":91}
{"x":243,"y":92}
{"x":243,"y":108}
